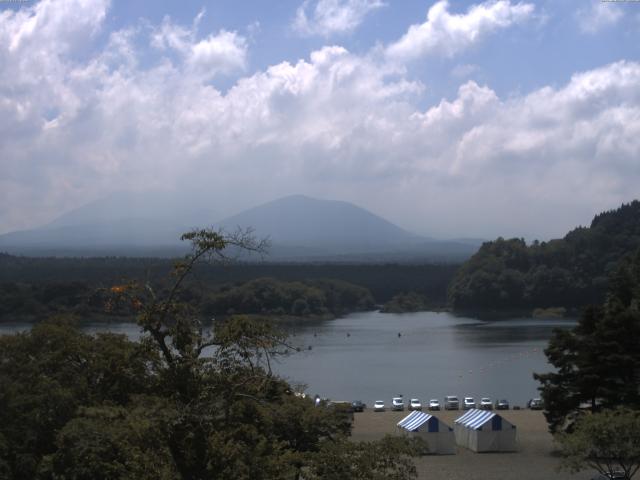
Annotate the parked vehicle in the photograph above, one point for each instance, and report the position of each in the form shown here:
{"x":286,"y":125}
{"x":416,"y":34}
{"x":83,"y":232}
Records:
{"x":378,"y":406}
{"x":414,"y":404}
{"x":397,"y":404}
{"x":468,"y":403}
{"x":502,"y":404}
{"x":485,"y":404}
{"x":434,"y":404}
{"x":358,"y":406}
{"x":451,"y":402}
{"x":535,"y":404}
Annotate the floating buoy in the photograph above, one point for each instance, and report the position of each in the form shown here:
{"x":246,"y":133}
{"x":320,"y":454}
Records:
{"x":399,"y":334}
{"x":348,"y":334}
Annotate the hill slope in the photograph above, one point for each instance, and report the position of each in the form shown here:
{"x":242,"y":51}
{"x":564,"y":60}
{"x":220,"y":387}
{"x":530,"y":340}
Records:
{"x":298,"y":220}
{"x":300,"y":229}
{"x":568,"y":272}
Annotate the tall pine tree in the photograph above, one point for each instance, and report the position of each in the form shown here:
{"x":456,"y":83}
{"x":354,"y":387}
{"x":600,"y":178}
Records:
{"x":598,"y":362}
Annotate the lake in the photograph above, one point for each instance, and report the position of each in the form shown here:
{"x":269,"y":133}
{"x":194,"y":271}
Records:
{"x":361,"y":356}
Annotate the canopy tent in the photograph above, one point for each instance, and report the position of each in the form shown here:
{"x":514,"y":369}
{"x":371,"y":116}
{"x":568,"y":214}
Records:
{"x":485,"y":431}
{"x":437,"y":434}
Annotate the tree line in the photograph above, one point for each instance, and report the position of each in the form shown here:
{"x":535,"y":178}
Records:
{"x":32,"y":288}
{"x":570,"y":272}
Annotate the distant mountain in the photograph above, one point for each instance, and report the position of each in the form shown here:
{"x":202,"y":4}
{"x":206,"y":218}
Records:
{"x":299,"y":221}
{"x":152,"y":206}
{"x":124,"y":223}
{"x":300,"y":228}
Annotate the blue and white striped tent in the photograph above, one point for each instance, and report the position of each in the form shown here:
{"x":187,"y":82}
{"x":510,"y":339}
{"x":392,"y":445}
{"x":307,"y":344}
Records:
{"x":437,"y":434}
{"x":485,"y":431}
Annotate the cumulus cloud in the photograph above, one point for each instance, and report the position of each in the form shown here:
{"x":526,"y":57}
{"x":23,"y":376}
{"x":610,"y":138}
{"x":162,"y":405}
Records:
{"x":222,"y":53}
{"x":328,"y":17}
{"x":335,"y":124}
{"x":446,"y":34}
{"x":598,"y":15}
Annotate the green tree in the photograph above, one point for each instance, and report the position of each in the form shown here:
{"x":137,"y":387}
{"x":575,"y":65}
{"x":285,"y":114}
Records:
{"x":608,"y":442}
{"x":47,"y":374}
{"x":183,"y":403}
{"x":387,"y":459}
{"x":598,"y":362}
{"x":570,"y":272}
{"x":108,"y":442}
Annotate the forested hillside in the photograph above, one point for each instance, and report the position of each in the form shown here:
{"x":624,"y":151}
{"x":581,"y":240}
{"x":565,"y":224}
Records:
{"x":568,"y":272}
{"x":34,"y":288}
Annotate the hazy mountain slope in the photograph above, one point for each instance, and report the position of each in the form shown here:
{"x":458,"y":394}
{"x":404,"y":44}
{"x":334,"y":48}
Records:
{"x":153,"y":206}
{"x":114,"y":225}
{"x":303,"y":221}
{"x":300,"y":229}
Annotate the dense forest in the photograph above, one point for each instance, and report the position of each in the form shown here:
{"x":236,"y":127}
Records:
{"x":569,"y":272}
{"x":407,"y":302}
{"x":103,"y":407}
{"x":274,"y":297}
{"x":33,"y":288}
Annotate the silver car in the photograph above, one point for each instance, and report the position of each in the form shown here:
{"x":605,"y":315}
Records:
{"x":468,"y":403}
{"x":451,"y":402}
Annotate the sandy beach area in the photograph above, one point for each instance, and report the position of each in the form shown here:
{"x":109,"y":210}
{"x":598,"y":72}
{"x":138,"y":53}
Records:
{"x":534,"y":460}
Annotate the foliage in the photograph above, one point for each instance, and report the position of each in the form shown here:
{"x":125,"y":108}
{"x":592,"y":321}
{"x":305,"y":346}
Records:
{"x":182,"y":403}
{"x":406,"y":302}
{"x":388,"y":459}
{"x":608,"y":442}
{"x":269,"y":296}
{"x":47,"y":374}
{"x":598,"y":362}
{"x":570,"y":272}
{"x":35,"y":288}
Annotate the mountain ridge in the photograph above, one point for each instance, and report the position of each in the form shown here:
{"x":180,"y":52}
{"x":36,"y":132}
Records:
{"x":300,"y":228}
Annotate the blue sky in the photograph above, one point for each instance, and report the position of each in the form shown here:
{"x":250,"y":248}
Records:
{"x":456,"y":118}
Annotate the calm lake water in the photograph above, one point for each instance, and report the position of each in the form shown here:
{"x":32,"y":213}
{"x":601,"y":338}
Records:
{"x":361,"y":356}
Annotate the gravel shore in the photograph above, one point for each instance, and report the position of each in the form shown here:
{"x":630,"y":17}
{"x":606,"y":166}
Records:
{"x":534,"y":460}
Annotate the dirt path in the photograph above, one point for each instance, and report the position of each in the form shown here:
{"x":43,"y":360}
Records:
{"x":534,"y":459}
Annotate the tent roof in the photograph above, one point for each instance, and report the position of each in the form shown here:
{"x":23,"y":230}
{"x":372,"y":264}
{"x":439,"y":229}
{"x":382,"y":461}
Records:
{"x":414,"y":421}
{"x":475,"y":418}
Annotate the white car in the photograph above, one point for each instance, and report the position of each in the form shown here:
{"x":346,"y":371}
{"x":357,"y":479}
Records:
{"x":434,"y":404}
{"x":415,"y":404}
{"x":378,"y":406}
{"x":397,"y":404}
{"x":468,"y":403}
{"x":485,"y":403}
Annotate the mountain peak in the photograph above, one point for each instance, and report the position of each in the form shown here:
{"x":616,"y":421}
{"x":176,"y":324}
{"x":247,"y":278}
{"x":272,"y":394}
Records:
{"x":303,"y":221}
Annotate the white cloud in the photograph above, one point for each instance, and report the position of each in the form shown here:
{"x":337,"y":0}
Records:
{"x":446,"y":34}
{"x":328,"y":17}
{"x":223,"y":53}
{"x":597,"y":16}
{"x":336,"y":125}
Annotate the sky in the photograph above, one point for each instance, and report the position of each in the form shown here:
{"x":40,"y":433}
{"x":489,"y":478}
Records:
{"x":450,"y":118}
